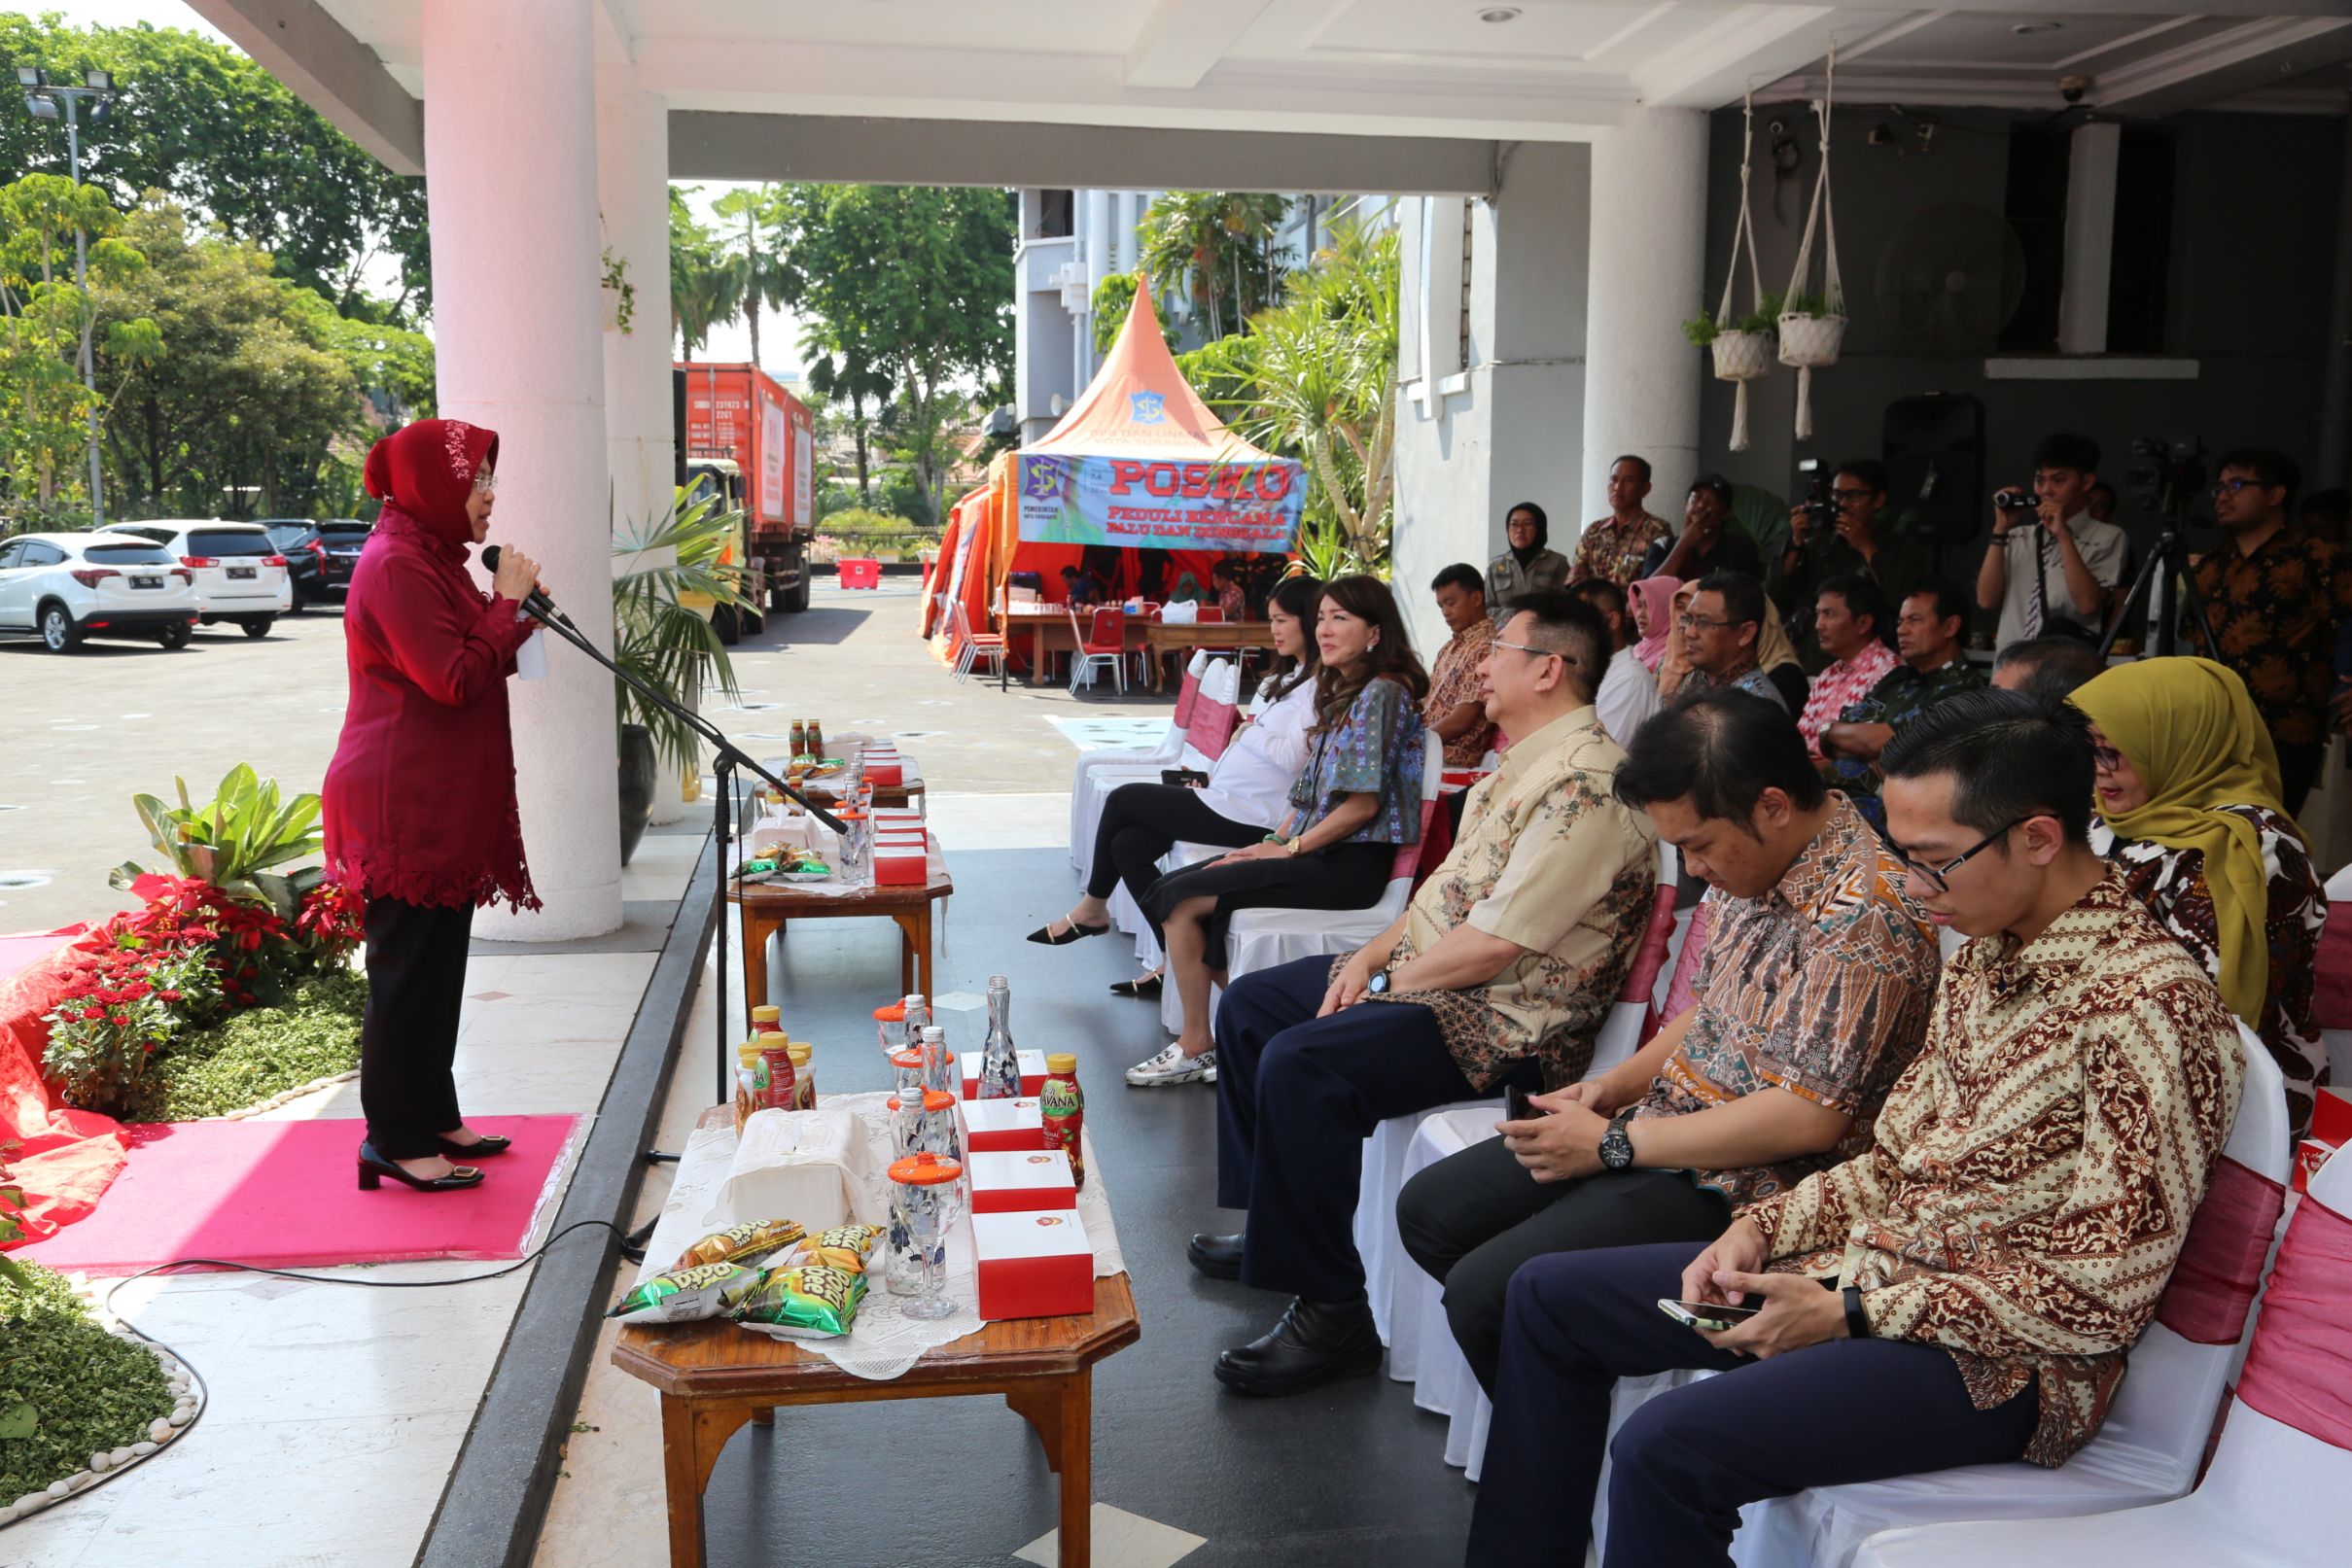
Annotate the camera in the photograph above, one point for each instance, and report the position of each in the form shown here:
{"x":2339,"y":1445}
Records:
{"x":2170,"y":475}
{"x":1820,"y":507}
{"x":2016,"y":498}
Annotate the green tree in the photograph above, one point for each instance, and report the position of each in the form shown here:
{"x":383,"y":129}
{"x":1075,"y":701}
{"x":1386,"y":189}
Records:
{"x":759,"y":268}
{"x":49,"y":322}
{"x":203,"y":123}
{"x":251,"y":390}
{"x":842,"y":365}
{"x":1218,"y":247}
{"x":1316,"y":378}
{"x":1113,"y":297}
{"x":915,"y":279}
{"x":706,"y":283}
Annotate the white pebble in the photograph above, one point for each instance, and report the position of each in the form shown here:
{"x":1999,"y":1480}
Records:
{"x":181,"y":1417}
{"x":120,"y":1456}
{"x":100,"y":1462}
{"x":142,"y":1450}
{"x":30,"y":1503}
{"x":58,"y":1488}
{"x":8,"y":1514}
{"x":159,"y":1430}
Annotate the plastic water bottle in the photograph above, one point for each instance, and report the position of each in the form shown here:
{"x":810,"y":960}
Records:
{"x":1000,"y":1059}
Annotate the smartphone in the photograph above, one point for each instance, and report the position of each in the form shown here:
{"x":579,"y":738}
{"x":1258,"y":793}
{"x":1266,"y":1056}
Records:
{"x":1515,"y":1106}
{"x":1713,"y":1315}
{"x":1178,"y":777}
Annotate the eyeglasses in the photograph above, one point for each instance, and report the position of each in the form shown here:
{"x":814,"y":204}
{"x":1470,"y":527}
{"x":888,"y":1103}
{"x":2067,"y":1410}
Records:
{"x":1842,"y":496}
{"x":485,"y":480}
{"x":2231,"y":487}
{"x":1691,"y":623}
{"x":1935,"y":876}
{"x":1539,"y":652}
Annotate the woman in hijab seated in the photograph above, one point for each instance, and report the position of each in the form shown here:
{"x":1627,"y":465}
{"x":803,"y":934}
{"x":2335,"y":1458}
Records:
{"x":2188,"y":780}
{"x":1527,"y":565}
{"x":1651,"y":603}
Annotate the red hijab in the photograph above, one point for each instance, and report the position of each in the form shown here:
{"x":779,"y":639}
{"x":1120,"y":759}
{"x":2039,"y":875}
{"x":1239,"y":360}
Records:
{"x":426,"y":471}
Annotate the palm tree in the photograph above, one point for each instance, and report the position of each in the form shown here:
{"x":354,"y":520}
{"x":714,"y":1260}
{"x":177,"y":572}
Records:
{"x":706,"y":282}
{"x":844,"y":369}
{"x":760,"y":271}
{"x":1215,"y":244}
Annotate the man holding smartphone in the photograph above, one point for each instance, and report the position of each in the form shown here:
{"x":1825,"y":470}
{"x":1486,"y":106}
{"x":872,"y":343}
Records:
{"x":1961,"y":1292}
{"x":1812,"y":997}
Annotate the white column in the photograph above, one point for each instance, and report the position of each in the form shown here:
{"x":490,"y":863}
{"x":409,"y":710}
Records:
{"x":2092,"y":154}
{"x":1124,"y":217}
{"x":632,"y":195}
{"x":511,"y":179}
{"x":1648,"y":263}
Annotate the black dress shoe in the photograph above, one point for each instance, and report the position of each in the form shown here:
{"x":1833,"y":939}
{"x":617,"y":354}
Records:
{"x":1219,"y":1257}
{"x":1044,"y":936}
{"x":375,"y":1168}
{"x":1317,"y":1342}
{"x":482,"y":1148}
{"x":1146,"y":987}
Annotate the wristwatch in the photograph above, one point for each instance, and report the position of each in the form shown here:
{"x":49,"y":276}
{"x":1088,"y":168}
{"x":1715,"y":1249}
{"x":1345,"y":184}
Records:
{"x":1857,"y":1322}
{"x":1617,"y":1145}
{"x":1377,"y":985}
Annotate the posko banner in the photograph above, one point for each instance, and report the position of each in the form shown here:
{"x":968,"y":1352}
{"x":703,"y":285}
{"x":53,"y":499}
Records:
{"x":1142,"y":504}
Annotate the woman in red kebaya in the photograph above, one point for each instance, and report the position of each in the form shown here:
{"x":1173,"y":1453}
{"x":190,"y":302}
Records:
{"x":420,"y":812}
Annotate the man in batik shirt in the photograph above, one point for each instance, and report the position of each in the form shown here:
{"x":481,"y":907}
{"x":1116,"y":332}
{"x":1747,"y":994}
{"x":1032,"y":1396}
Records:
{"x":1929,"y":635}
{"x":1454,"y":710}
{"x":1611,"y":548}
{"x":1989,"y":1259}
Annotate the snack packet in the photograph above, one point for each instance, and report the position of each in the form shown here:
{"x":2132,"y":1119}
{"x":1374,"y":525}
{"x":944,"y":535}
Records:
{"x":684,"y":1295}
{"x":748,"y":1243}
{"x":816,"y":1303}
{"x":844,"y":1247}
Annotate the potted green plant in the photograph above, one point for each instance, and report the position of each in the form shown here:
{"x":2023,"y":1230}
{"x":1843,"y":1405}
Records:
{"x":669,"y":644}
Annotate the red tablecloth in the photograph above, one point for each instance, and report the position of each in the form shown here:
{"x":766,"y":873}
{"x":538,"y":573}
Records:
{"x":66,"y":1158}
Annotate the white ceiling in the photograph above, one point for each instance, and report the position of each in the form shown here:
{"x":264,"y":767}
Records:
{"x":1558,"y":70}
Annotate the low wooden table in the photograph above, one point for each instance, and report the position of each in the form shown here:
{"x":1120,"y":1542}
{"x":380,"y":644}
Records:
{"x":767,"y":907}
{"x":715,"y":1377}
{"x":1161,"y":639}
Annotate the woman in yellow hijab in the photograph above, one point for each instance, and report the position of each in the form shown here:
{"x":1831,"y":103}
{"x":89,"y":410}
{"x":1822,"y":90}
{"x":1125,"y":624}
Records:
{"x":2189,"y":781}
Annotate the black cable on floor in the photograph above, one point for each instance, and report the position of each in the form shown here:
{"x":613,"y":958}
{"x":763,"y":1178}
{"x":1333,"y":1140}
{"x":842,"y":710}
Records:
{"x":107,"y":1303}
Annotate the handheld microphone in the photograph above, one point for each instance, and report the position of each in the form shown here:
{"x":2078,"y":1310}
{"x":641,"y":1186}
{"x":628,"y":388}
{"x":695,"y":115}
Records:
{"x":534,"y":602}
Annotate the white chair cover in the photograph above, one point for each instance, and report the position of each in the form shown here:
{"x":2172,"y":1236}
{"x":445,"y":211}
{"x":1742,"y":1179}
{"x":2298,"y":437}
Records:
{"x":1123,"y":765}
{"x":2272,"y":1496}
{"x":2146,"y":1451}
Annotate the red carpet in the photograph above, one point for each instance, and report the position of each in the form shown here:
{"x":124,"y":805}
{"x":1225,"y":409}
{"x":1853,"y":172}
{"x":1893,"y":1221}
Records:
{"x":284,"y":1194}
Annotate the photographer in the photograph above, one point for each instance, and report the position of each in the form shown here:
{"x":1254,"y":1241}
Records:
{"x":2050,"y":564}
{"x":1840,"y":533}
{"x":1709,"y":541}
{"x":2275,"y":597}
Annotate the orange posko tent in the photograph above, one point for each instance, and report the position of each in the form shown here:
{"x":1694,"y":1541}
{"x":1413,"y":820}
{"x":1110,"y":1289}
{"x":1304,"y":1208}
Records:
{"x":1140,"y":482}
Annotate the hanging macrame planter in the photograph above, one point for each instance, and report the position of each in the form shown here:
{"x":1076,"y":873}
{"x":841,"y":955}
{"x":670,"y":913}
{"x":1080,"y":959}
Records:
{"x":1741,"y":356}
{"x":1809,"y":337}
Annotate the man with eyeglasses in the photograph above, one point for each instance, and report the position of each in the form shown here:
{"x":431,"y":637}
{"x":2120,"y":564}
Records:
{"x":1811,"y":998}
{"x":1500,"y":971}
{"x":1961,"y":1291}
{"x":2048,"y":568}
{"x":2276,"y":597}
{"x":1860,"y":543}
{"x":1721,"y":632}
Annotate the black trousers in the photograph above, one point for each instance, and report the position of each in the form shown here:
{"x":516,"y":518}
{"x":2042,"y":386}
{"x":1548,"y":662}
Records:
{"x":1339,"y":876}
{"x":1139,"y":823}
{"x":416,"y":988}
{"x":1297,"y":1096}
{"x":2298,"y":769}
{"x":1688,"y":1460}
{"x":1473,"y":1218}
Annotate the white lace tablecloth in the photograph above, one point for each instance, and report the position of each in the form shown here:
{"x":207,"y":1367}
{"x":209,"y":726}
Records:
{"x":883,"y":1343}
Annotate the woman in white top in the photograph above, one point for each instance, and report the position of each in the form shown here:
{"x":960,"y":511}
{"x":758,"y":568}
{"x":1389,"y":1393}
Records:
{"x":1246,"y":797}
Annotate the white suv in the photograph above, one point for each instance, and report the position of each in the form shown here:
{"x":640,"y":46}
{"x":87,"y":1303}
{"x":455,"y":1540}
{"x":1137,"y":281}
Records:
{"x":64,"y":588}
{"x":240,"y":576}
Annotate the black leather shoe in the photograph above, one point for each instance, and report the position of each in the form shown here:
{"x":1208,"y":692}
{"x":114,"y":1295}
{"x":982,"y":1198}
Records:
{"x":1317,"y":1342}
{"x":1146,"y":987}
{"x":375,"y":1168}
{"x":1219,"y":1257}
{"x":482,"y":1148}
{"x":1044,"y":935}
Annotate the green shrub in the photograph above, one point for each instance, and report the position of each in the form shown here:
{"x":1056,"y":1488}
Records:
{"x":68,"y":1388}
{"x":246,"y":1059}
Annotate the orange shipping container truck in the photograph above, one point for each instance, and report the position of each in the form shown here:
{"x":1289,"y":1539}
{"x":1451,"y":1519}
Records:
{"x":741,"y":432}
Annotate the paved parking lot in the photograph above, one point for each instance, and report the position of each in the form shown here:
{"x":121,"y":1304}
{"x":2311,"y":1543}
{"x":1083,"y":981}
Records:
{"x":79,"y":733}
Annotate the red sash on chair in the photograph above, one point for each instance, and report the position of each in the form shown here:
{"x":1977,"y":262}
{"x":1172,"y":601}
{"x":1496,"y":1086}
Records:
{"x":2221,"y":1265}
{"x":2300,"y":1371}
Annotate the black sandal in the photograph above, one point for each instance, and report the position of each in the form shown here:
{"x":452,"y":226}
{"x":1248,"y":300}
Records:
{"x":1044,"y":936}
{"x":1143,"y":987}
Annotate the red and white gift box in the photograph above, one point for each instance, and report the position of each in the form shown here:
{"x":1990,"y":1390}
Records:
{"x":1005,"y":1183}
{"x":900,"y":860}
{"x":1033,"y":1265}
{"x":1003,"y":1125}
{"x":882,"y":765}
{"x":1033,"y":1073}
{"x":2331,"y":1131}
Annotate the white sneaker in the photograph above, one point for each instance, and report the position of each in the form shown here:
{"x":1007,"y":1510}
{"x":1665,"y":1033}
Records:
{"x":1173,"y":1066}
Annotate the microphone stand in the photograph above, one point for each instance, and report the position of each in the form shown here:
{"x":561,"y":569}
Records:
{"x":727,"y":758}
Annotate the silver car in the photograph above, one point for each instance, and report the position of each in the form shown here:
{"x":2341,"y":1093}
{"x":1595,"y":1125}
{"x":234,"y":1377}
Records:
{"x":240,"y":575}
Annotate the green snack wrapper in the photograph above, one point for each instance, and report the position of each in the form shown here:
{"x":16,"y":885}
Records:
{"x":844,"y":1247}
{"x":748,"y":1243}
{"x":816,"y":1303}
{"x":684,"y":1295}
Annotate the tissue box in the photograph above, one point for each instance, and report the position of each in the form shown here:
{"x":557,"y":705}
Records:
{"x":896,"y":818}
{"x":1009,"y":1183}
{"x":1003,"y":1126}
{"x":1033,"y":1265}
{"x":900,"y":861}
{"x":806,"y":1165}
{"x":883,"y":766}
{"x":1033,"y":1074}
